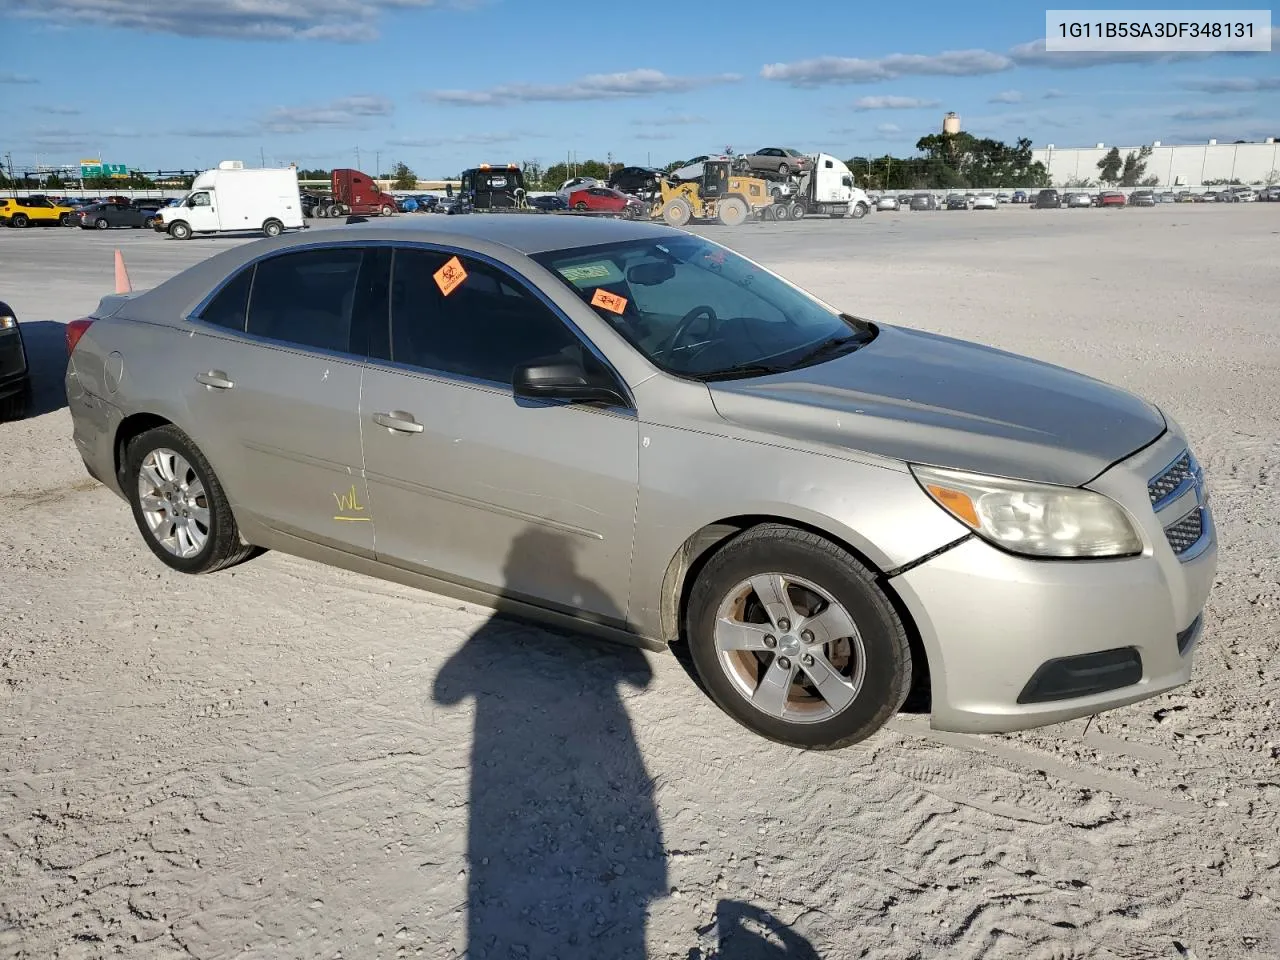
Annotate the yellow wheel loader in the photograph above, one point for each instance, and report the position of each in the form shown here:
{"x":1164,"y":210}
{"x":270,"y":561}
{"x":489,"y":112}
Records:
{"x":716,"y":195}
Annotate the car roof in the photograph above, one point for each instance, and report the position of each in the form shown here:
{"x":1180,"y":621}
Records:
{"x":525,"y":233}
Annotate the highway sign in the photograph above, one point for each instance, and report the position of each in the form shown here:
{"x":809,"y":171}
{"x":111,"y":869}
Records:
{"x":91,"y":169}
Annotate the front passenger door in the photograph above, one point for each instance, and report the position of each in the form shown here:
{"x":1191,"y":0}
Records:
{"x":531,"y":500}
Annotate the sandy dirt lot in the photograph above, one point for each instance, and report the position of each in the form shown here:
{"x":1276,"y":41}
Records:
{"x":287,"y":761}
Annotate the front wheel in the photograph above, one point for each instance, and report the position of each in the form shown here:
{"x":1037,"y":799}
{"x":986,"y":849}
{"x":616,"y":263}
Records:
{"x":180,"y":230}
{"x":860,"y":210}
{"x":387,"y":210}
{"x":178,"y":503}
{"x":793,"y":639}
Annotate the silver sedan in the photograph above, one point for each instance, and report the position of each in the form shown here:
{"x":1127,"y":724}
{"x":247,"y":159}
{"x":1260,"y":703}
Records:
{"x":635,"y":432}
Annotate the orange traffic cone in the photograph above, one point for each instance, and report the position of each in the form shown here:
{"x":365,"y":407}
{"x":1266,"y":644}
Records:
{"x":122,"y":275}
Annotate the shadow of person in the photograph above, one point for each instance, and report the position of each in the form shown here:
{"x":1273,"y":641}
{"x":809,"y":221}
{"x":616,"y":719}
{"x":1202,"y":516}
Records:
{"x":45,"y":343}
{"x":564,"y":845}
{"x":746,"y":932}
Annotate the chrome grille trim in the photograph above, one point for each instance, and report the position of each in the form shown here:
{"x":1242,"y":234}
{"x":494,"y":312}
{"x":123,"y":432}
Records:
{"x":1173,"y":481}
{"x":1188,"y":535}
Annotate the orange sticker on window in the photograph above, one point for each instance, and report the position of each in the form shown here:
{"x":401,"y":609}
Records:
{"x":609,"y":301}
{"x":450,"y":275}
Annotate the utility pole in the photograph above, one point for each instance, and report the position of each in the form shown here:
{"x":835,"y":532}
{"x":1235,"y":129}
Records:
{"x":262,"y":157}
{"x":377,"y":164}
{"x":357,"y":156}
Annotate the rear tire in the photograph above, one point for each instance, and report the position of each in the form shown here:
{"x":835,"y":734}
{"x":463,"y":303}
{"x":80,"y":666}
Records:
{"x":858,"y":648}
{"x":220,"y":546}
{"x":795,"y":211}
{"x":101,"y":224}
{"x":149,"y":223}
{"x":273,"y":228}
{"x":733,"y":211}
{"x":20,"y":220}
{"x":580,"y":205}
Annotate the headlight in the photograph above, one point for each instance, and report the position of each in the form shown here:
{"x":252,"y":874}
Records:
{"x":1033,"y":519}
{"x":8,"y":323}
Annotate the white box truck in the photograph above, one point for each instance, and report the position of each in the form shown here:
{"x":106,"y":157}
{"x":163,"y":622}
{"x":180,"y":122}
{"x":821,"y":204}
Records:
{"x":233,"y":198}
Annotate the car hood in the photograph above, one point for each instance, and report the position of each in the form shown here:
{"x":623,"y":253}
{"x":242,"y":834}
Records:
{"x":923,"y":398}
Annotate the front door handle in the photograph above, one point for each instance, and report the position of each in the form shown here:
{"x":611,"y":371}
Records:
{"x":398,"y":420}
{"x":216,"y":379}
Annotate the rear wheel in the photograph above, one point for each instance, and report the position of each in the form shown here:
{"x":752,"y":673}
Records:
{"x":19,"y":220}
{"x":783,"y":170}
{"x":795,"y":211}
{"x":793,"y":639}
{"x":273,"y":228}
{"x":101,"y":223}
{"x":178,"y":503}
{"x":580,"y":205}
{"x":733,"y":211}
{"x":149,"y":223}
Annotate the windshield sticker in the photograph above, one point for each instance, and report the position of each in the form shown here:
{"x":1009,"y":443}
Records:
{"x":450,"y":276}
{"x":609,"y":301}
{"x":586,"y":273}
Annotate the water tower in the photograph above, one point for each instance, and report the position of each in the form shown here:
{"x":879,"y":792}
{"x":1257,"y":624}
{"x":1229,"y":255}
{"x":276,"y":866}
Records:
{"x":951,"y":124}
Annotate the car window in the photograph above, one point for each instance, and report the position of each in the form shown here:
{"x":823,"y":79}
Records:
{"x":694,"y":308}
{"x":230,"y":305}
{"x":474,"y":322}
{"x":306,"y":298}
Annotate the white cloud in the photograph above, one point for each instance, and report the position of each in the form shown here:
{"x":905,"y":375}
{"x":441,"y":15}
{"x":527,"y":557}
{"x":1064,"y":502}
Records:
{"x":1200,"y":114}
{"x":888,"y":129}
{"x":672,"y":120}
{"x":655,"y":135}
{"x":643,"y":82}
{"x":343,"y":21}
{"x":1234,"y":84}
{"x":345,"y":112}
{"x":894,"y":103}
{"x":828,"y":70}
{"x":480,"y":139}
{"x":821,"y":71}
{"x":1008,"y":96}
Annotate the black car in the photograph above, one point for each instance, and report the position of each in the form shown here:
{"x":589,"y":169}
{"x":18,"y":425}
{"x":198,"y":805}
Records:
{"x":636,"y":180}
{"x":1142,"y":198}
{"x":104,"y":216}
{"x":15,"y":378}
{"x":924,"y":201}
{"x":955,"y":201}
{"x":549,"y":202}
{"x":1047,"y":199}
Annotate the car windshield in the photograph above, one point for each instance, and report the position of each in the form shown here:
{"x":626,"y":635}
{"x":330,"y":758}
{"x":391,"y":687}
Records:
{"x":696,"y":309}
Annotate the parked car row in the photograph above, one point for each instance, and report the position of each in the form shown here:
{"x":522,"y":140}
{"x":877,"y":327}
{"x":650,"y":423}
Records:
{"x":89,"y":213}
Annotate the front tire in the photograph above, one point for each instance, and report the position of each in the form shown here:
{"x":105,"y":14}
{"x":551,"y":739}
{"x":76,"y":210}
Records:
{"x":860,"y":210}
{"x":387,"y":210}
{"x":793,"y":639}
{"x":178,"y":503}
{"x":180,"y":230}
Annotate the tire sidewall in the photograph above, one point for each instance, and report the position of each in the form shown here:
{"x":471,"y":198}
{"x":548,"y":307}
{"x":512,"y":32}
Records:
{"x":887,"y":670}
{"x":173,"y":439}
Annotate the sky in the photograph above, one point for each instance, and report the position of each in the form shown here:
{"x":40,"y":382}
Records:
{"x":446,"y":84}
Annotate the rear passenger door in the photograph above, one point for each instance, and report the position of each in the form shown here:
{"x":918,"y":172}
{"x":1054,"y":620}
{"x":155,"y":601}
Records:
{"x":530,"y":500}
{"x":273,"y":387}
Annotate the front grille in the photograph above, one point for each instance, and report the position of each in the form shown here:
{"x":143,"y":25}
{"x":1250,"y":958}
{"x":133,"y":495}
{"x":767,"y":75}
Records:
{"x":12,"y":360}
{"x":1174,"y":476}
{"x":1184,"y":534}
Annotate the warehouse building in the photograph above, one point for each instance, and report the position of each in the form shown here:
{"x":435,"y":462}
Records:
{"x":1181,"y":165}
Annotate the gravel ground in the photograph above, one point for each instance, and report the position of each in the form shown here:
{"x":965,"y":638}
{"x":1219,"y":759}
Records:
{"x":284,"y":760}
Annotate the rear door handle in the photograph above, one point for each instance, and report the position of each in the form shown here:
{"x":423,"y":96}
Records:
{"x":398,"y":420}
{"x":216,"y":379}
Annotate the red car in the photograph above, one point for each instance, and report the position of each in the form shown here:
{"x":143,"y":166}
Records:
{"x":1111,"y":198}
{"x":605,"y":200}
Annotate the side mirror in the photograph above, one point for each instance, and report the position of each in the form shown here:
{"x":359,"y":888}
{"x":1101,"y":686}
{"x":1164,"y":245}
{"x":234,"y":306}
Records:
{"x":554,"y":378}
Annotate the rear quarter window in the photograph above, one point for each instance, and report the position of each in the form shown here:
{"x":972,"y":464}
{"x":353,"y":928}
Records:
{"x":230,"y":306}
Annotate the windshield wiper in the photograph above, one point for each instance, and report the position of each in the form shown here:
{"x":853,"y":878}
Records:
{"x":743,"y":370}
{"x":833,"y":348}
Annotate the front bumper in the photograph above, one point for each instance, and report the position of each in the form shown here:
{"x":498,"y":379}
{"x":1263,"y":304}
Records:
{"x":14,"y":374}
{"x":1015,"y":643}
